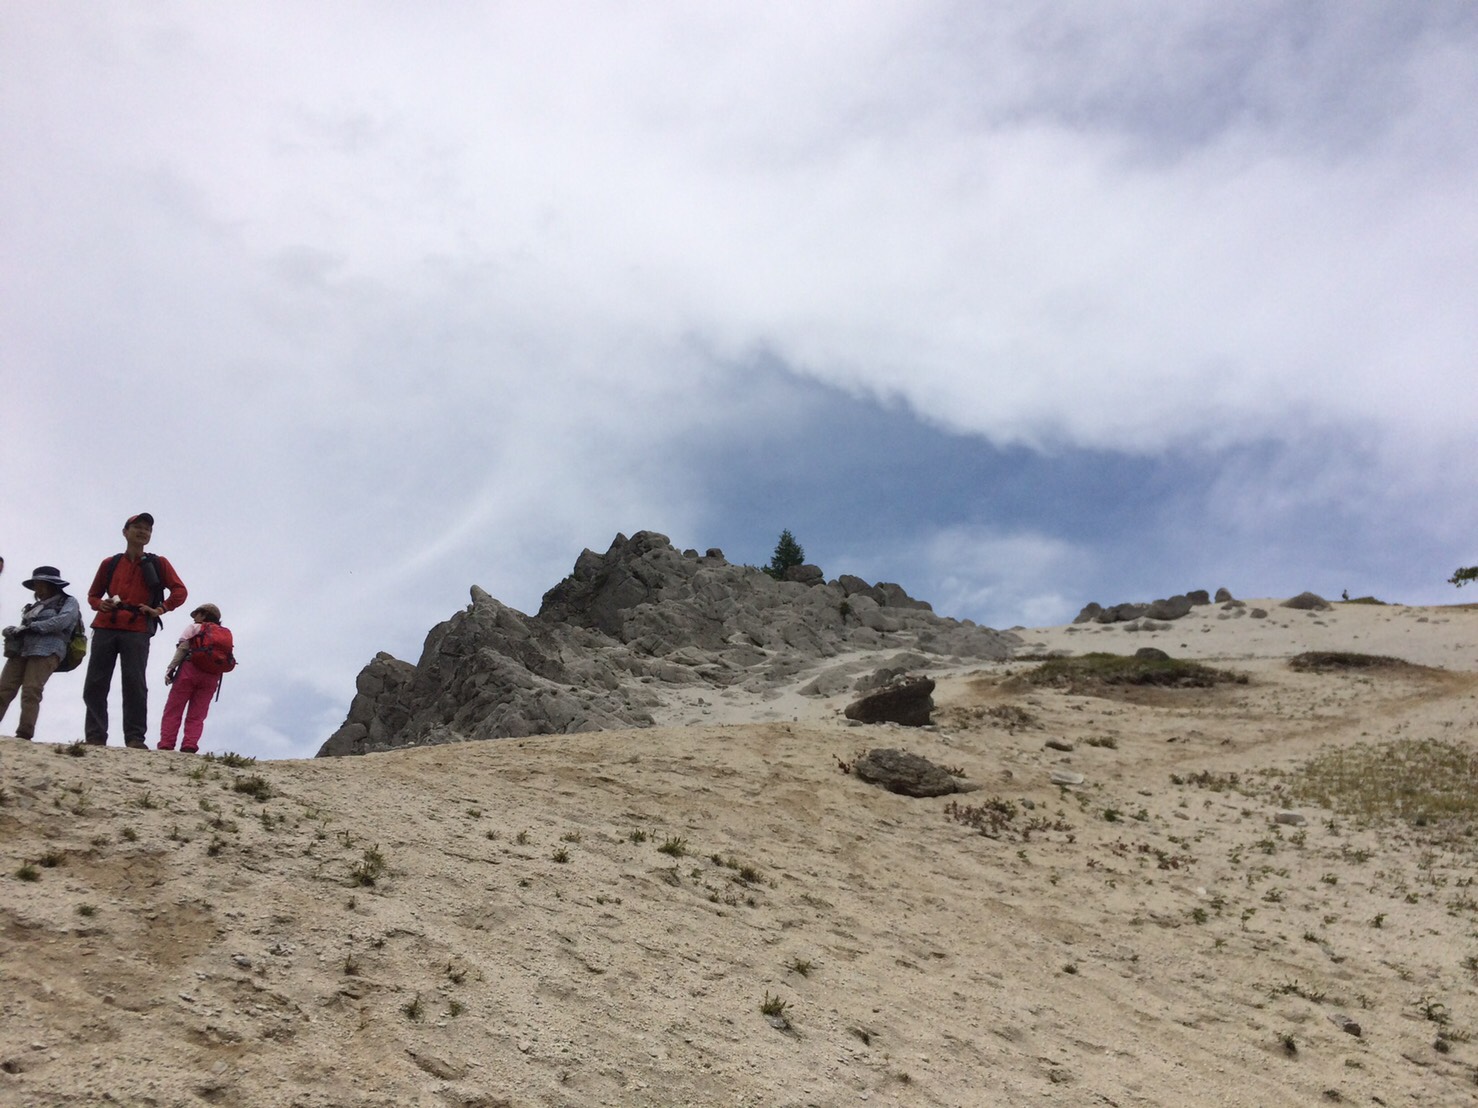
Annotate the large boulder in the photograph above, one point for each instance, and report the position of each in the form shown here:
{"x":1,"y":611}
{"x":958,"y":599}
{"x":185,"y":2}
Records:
{"x":1308,"y":602}
{"x":901,"y":772}
{"x":1175,"y":607}
{"x":908,"y":701}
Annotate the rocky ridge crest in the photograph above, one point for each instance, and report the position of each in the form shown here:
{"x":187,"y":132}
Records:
{"x":624,"y":630}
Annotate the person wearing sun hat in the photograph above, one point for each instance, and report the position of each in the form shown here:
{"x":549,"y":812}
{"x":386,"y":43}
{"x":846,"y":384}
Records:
{"x":130,"y":592}
{"x":35,"y":647}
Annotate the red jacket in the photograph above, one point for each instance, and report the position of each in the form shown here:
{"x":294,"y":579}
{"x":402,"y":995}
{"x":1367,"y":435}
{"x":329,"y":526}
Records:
{"x":128,"y":583}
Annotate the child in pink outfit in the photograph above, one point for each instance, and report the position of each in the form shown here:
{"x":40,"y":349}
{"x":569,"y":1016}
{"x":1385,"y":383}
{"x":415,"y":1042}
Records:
{"x":190,"y":688}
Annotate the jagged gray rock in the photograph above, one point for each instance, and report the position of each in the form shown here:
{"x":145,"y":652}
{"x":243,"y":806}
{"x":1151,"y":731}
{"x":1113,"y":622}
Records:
{"x":624,"y":627}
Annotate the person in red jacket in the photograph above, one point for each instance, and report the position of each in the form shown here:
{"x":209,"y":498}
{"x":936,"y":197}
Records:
{"x":130,"y":593}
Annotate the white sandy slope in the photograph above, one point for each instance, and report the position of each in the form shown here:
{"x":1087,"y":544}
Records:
{"x":187,"y":943}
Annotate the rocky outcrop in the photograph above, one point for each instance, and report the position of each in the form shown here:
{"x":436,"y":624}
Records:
{"x":627,"y":626}
{"x":1168,"y":608}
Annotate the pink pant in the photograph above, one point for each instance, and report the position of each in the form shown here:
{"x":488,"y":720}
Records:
{"x":191,"y":690}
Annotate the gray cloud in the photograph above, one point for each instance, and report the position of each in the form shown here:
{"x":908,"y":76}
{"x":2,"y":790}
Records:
{"x":370,"y":304}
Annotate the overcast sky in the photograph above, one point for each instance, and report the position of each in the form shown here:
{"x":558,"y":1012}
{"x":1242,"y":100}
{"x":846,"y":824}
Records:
{"x":1018,"y":304}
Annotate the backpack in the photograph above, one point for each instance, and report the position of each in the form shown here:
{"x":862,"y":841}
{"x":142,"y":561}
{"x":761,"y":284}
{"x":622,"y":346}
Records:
{"x":76,"y":647}
{"x":209,"y":649}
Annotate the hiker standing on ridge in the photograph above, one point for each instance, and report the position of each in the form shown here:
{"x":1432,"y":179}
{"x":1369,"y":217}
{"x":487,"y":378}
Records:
{"x":35,"y":648}
{"x":130,"y":592}
{"x":201,"y":656}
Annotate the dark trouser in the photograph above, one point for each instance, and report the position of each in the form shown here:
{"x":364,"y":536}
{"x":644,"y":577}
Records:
{"x":108,"y":647}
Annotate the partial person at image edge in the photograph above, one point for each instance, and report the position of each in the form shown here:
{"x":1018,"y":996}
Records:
{"x":35,"y":647}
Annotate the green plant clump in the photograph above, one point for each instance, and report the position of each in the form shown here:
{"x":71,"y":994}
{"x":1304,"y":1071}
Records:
{"x":255,"y":786}
{"x":1324,"y":661}
{"x":1089,"y":672}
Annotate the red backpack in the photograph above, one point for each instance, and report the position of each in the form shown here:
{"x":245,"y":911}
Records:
{"x":210,"y":649}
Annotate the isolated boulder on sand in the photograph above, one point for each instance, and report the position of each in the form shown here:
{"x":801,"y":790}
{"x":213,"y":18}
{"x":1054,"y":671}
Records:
{"x":908,"y":701}
{"x":901,"y":772}
{"x":1308,"y":602}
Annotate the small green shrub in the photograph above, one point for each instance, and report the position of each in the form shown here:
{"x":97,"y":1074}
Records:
{"x":370,"y":868}
{"x":255,"y":786}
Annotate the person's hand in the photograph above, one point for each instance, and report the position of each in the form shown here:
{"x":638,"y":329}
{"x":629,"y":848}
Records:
{"x":169,"y":675}
{"x":11,"y":632}
{"x":155,"y":612}
{"x":108,"y":603}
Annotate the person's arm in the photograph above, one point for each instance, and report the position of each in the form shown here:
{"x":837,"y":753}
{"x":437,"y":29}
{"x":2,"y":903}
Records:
{"x":99,"y":587}
{"x":174,"y":664}
{"x":181,"y":652}
{"x":55,"y":621}
{"x":175,"y":592}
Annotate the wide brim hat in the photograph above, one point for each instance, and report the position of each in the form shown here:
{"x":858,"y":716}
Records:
{"x":48,"y":575}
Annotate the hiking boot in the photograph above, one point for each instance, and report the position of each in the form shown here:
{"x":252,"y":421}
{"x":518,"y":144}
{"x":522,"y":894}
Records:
{"x":136,"y":744}
{"x":96,"y":742}
{"x":189,"y":750}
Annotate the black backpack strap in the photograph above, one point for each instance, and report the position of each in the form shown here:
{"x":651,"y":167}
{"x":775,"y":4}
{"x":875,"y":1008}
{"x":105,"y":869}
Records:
{"x":112,"y":569}
{"x":149,"y":569}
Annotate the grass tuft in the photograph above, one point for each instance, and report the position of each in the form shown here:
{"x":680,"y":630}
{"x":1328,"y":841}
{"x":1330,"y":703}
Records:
{"x":370,"y":868}
{"x":255,"y":786}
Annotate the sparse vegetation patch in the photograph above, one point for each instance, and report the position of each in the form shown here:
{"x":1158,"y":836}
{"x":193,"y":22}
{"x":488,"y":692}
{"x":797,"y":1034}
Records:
{"x":1089,"y":673}
{"x":1419,"y":781}
{"x":996,"y":818}
{"x":1333,"y":661}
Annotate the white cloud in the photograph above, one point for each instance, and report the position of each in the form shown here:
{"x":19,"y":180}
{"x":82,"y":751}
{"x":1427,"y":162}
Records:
{"x":367,"y":301}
